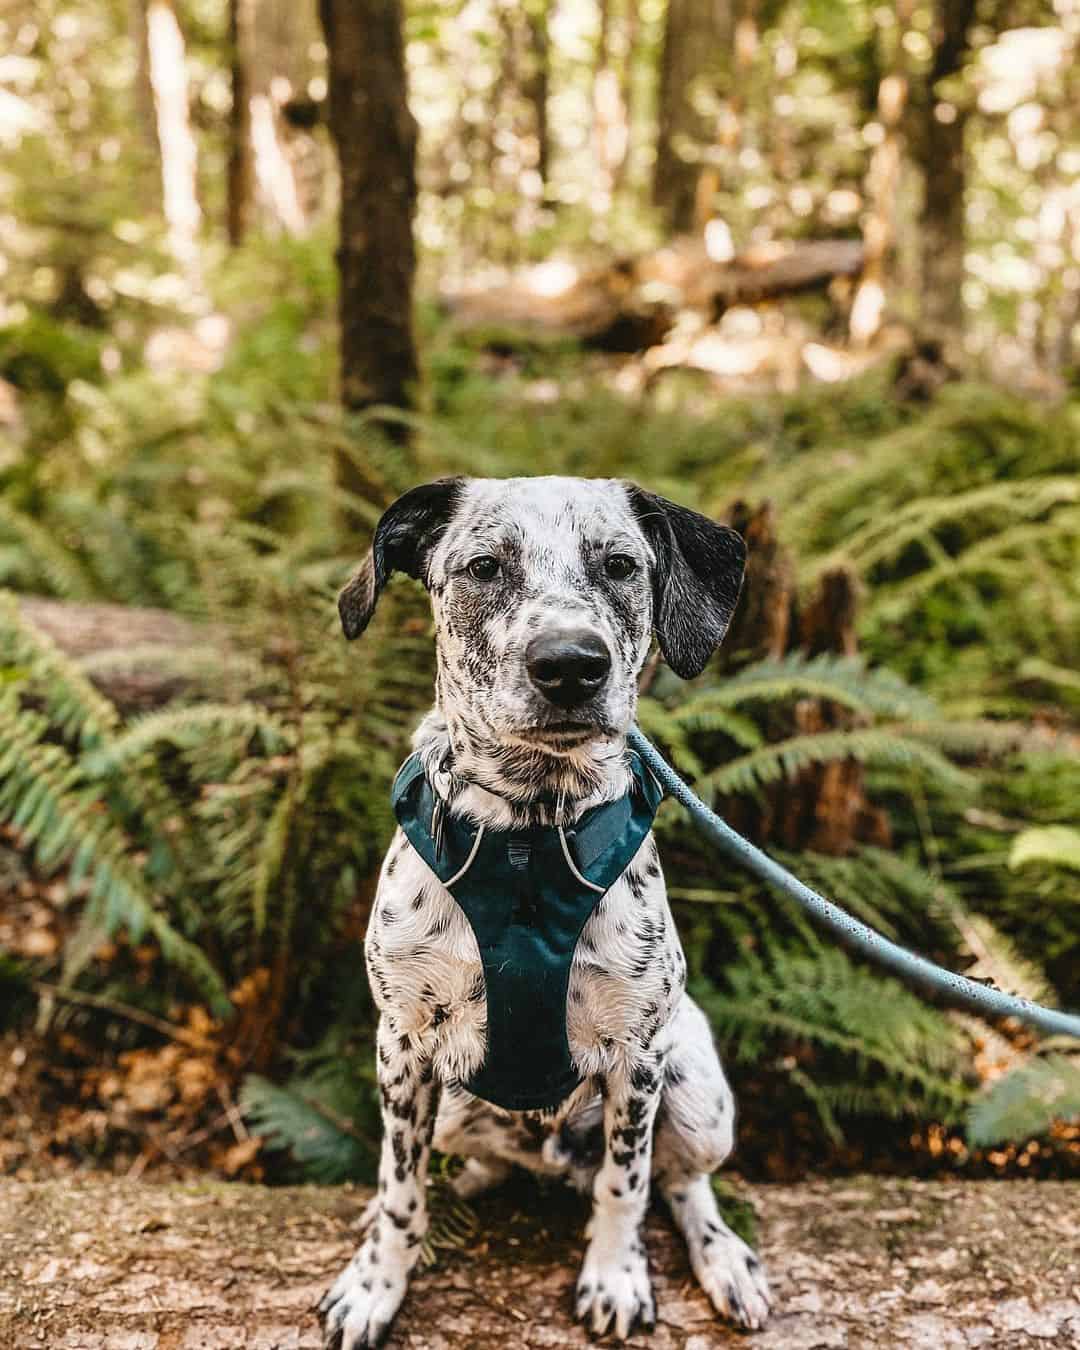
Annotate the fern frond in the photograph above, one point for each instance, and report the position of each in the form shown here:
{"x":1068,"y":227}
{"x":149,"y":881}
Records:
{"x":1054,"y":845}
{"x":884,"y":745}
{"x":452,"y":1222}
{"x":321,"y":1140}
{"x":57,"y":567}
{"x":189,"y":726}
{"x":75,"y":706}
{"x":663,"y":725}
{"x":43,"y":793}
{"x":1006,"y":554}
{"x":972,"y":737}
{"x":844,"y":680}
{"x":996,"y":957}
{"x":820,"y":995}
{"x":888,"y":534}
{"x":1027,"y":1101}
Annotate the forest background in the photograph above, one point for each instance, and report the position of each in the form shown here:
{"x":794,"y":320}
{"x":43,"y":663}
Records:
{"x":813,"y":268}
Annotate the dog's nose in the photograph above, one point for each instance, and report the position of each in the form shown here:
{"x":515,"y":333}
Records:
{"x":567,"y":666}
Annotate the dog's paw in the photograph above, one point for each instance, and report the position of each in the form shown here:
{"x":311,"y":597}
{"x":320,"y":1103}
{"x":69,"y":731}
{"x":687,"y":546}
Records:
{"x":616,"y":1294}
{"x":733,"y":1277}
{"x":360,"y":1305}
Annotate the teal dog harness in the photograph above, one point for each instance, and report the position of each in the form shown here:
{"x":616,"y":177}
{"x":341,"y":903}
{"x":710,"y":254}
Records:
{"x":527,"y":894}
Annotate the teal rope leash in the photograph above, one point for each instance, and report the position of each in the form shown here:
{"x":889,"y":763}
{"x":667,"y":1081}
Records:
{"x":955,"y":989}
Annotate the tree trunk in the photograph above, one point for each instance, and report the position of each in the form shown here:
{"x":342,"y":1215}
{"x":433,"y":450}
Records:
{"x":824,"y":807}
{"x":537,"y":82}
{"x":288,"y":162}
{"x":179,"y":153}
{"x":942,"y":152}
{"x":240,"y":171}
{"x":375,"y":134}
{"x":723,"y":154}
{"x":609,"y":114}
{"x":883,"y":177}
{"x":627,"y":66}
{"x":689,"y":63}
{"x":142,"y":89}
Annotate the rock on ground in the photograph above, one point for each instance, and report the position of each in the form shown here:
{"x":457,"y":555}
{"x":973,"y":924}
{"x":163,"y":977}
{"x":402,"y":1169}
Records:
{"x":100,"y":1264}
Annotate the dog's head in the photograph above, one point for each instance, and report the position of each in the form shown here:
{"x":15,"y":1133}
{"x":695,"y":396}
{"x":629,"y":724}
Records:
{"x":546,"y":593}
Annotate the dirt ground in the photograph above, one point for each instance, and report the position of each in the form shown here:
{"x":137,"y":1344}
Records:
{"x":99,"y":1264}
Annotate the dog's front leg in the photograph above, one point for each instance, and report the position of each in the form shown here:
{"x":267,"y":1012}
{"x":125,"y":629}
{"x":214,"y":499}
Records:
{"x":361,"y":1304}
{"x":614,"y":1285}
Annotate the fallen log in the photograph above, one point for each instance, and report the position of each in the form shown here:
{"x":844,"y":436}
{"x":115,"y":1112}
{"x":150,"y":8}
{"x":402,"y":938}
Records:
{"x":631,"y":304}
{"x":119,"y":643}
{"x":97,"y":1263}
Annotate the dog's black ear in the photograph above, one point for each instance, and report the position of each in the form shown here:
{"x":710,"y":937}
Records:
{"x":696,"y":580}
{"x":404,"y":537}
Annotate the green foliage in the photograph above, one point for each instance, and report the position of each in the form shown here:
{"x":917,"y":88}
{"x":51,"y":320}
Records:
{"x":882,"y":1050}
{"x":736,"y":1211}
{"x":1057,"y":845}
{"x":323,"y":1142}
{"x":963,"y":525}
{"x":236,"y":825}
{"x":1025,"y":1102}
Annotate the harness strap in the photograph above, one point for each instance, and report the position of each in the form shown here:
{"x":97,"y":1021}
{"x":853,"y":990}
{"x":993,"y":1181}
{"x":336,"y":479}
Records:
{"x":527,"y":895}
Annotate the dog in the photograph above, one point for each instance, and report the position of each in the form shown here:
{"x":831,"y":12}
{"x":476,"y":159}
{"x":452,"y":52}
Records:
{"x":546,"y":594}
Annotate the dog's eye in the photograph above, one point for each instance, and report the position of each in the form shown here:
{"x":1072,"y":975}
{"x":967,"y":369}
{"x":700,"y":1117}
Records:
{"x":485,"y":568}
{"x":620,"y":566}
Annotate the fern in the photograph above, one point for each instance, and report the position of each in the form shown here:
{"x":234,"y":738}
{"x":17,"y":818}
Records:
{"x":44,"y":794}
{"x":887,"y":745}
{"x":887,"y":1036}
{"x":844,"y":680}
{"x":884,"y":538}
{"x":186,"y":727}
{"x":45,"y":559}
{"x":1054,"y":845}
{"x":75,"y":707}
{"x":323,"y":1142}
{"x":1026,"y":1102}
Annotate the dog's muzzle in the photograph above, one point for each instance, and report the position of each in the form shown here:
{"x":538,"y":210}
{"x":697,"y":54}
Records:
{"x":568,"y":665}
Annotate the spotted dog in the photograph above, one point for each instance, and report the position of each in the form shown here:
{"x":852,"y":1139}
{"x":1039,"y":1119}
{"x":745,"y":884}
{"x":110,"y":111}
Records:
{"x":546,"y":594}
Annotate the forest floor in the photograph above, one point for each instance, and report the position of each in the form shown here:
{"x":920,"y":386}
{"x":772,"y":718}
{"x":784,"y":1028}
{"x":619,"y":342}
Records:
{"x":96,"y":1263}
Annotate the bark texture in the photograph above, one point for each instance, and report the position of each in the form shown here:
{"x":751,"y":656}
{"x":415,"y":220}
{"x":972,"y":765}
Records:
{"x":537,"y":82}
{"x":375,"y":134}
{"x":694,"y":37}
{"x":866,"y":1263}
{"x":240,"y":169}
{"x":824,"y":807}
{"x":941,"y":148}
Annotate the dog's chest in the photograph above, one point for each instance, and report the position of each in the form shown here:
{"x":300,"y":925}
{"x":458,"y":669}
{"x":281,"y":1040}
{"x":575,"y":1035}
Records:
{"x":427,"y":977}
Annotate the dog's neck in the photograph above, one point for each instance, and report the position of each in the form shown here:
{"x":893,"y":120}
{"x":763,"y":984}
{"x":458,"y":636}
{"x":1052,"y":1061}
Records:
{"x":508,"y":785}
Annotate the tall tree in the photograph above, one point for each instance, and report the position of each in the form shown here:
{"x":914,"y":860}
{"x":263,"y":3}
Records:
{"x":143,"y":92}
{"x":167,"y":60}
{"x":609,"y":111}
{"x":537,"y":81}
{"x":240,"y":170}
{"x":883,"y":176}
{"x":694,"y":33}
{"x":941,"y":151}
{"x":375,"y":135}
